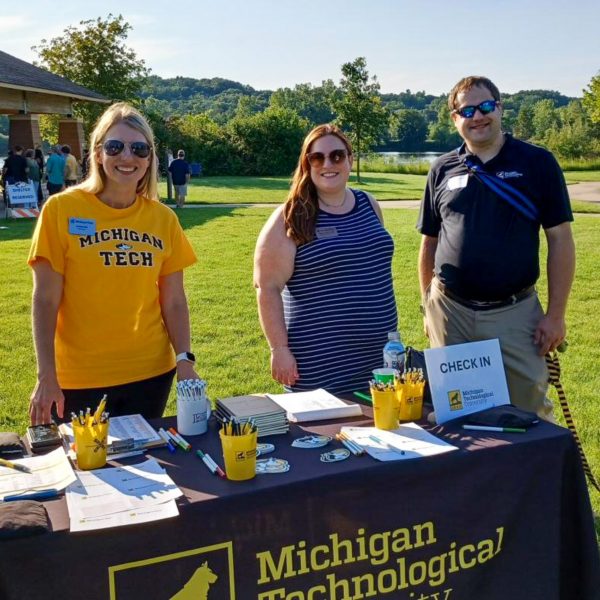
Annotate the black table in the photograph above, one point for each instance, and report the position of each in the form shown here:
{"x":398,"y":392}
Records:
{"x":507,"y":516}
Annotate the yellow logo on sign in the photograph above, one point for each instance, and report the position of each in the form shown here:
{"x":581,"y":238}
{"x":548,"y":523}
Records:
{"x":455,"y":400}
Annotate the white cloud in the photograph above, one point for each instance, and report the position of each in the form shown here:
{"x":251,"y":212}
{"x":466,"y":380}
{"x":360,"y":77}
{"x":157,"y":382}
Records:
{"x":12,"y":23}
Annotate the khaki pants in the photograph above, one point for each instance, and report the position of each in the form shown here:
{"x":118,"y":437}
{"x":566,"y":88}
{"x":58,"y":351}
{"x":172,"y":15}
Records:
{"x":449,"y":322}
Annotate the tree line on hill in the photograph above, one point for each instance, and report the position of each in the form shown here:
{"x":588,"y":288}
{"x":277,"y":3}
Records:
{"x":231,"y":128}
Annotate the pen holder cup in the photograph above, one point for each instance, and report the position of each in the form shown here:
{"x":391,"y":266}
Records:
{"x":90,"y":446}
{"x":410,"y":399}
{"x":384,"y":375}
{"x":385,"y":409}
{"x":192,"y":415}
{"x":239,"y":453}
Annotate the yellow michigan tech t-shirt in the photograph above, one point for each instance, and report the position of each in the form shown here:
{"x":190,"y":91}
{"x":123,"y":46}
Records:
{"x":110,"y":329}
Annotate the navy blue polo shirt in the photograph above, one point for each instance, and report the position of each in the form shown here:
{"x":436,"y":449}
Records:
{"x":486,"y":249}
{"x":179,"y":168}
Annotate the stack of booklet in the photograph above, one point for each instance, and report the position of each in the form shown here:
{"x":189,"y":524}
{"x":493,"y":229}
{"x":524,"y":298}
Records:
{"x":317,"y":405}
{"x":269,"y":417}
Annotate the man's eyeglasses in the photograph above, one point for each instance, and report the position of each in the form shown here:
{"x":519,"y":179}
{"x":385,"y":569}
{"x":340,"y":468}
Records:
{"x":115,"y":147}
{"x":485,"y":108}
{"x":317,"y":159}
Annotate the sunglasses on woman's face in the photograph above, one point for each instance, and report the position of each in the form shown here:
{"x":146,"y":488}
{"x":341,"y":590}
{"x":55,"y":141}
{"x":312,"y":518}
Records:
{"x":317,"y":159}
{"x":485,"y":108}
{"x":115,"y":147}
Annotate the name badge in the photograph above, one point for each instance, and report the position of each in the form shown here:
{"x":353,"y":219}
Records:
{"x":458,"y":182}
{"x":82,"y":226}
{"x":324,"y":233}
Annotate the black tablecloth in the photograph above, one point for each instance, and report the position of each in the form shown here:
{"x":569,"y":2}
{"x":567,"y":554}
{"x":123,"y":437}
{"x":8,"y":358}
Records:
{"x":506,"y":516}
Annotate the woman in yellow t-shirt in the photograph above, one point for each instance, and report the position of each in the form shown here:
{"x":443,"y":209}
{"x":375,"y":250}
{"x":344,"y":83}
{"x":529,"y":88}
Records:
{"x":110,"y":314}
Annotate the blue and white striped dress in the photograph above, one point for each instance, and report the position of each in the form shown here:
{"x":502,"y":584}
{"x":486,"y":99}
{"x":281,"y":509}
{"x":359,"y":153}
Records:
{"x":339,"y":304}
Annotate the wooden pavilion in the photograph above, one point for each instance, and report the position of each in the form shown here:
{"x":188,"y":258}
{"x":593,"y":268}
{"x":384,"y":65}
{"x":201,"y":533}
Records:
{"x":27,"y":91}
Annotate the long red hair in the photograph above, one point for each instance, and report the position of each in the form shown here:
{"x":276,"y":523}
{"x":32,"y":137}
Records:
{"x":302,"y":205}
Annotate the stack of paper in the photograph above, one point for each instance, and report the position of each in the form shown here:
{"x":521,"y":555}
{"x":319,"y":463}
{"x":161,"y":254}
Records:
{"x":125,"y":495}
{"x":317,"y":405}
{"x":269,"y":417}
{"x":48,"y":472}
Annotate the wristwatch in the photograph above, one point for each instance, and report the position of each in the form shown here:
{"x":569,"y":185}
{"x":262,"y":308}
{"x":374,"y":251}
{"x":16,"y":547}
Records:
{"x":185,"y":356}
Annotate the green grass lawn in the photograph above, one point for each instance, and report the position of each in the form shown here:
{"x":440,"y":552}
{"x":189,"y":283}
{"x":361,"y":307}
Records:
{"x":232,"y":354}
{"x":273,"y":190}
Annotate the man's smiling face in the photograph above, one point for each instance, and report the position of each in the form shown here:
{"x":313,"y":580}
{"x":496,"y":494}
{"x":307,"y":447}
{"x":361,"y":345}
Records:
{"x":480,"y":131}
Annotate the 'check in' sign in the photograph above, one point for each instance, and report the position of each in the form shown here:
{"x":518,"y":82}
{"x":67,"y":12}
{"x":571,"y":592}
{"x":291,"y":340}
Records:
{"x":466,"y":378}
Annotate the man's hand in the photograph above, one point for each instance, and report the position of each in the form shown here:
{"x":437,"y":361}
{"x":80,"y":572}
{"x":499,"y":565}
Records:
{"x":550,"y":332}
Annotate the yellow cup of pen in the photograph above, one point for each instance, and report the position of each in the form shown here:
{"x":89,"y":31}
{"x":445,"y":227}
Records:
{"x":90,"y":445}
{"x":410,"y":397}
{"x":385,"y":408}
{"x":239,"y":453}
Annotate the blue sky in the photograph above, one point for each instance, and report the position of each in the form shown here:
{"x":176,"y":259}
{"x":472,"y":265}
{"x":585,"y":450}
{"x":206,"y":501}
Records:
{"x":419,"y":45}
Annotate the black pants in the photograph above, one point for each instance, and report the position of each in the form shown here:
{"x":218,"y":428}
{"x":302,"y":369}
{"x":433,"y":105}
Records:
{"x":147,"y":397}
{"x":54,"y":188}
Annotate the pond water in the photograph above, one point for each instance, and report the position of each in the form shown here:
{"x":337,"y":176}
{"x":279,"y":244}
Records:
{"x":405,"y":158}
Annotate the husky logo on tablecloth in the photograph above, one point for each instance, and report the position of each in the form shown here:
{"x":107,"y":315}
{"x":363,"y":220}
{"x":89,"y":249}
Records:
{"x":198,"y":585}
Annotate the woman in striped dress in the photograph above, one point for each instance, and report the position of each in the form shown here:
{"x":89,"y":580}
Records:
{"x":322,"y":270}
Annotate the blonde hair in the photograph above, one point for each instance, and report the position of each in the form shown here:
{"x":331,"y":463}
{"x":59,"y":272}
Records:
{"x":121,"y":112}
{"x":302,"y":205}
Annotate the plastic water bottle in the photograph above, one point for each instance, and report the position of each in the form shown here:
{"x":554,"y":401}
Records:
{"x":394,"y":353}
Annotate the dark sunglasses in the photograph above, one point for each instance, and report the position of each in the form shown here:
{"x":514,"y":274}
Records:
{"x":485,"y":108}
{"x":317,"y":159}
{"x":115,"y":147}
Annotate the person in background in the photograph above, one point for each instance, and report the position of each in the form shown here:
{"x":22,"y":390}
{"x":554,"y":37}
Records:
{"x":322,"y":272}
{"x":71,"y":167}
{"x":85,"y":163}
{"x":479,"y":257}
{"x":15,"y":167}
{"x":110,"y":315}
{"x":180,"y":174}
{"x":55,"y":171}
{"x":39,"y":159}
{"x":34,"y":173}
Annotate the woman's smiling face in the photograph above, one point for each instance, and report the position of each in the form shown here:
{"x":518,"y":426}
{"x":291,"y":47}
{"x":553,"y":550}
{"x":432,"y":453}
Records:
{"x":124,"y":169}
{"x":330,"y":177}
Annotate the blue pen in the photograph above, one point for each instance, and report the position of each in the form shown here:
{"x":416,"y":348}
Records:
{"x":39,"y":495}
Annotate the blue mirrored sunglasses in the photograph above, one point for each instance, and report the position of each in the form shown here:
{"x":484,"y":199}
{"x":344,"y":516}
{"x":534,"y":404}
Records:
{"x":486,"y":107}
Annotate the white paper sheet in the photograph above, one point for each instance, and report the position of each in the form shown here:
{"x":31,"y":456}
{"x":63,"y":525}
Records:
{"x":155,"y":512}
{"x":103,"y":493}
{"x":314,"y":406}
{"x":49,"y":471}
{"x":407,"y":442}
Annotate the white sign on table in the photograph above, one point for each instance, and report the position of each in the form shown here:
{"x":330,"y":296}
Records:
{"x":466,"y":378}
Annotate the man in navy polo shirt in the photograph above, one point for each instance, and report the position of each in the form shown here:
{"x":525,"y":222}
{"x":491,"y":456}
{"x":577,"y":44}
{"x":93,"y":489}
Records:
{"x":479,"y":256}
{"x":180,"y":173}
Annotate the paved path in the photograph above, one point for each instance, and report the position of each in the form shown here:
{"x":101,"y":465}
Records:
{"x":588,"y":191}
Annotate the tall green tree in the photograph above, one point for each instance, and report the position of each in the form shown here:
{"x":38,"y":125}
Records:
{"x":591,"y":99}
{"x":443,"y":132}
{"x":524,"y":128}
{"x":545,"y":119}
{"x":314,"y":103}
{"x":359,"y":108}
{"x":267,"y":143}
{"x":409,"y":128}
{"x":95,"y":55}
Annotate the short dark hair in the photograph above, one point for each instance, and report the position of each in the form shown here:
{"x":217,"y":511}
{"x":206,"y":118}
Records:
{"x":466,"y":83}
{"x":18,"y":148}
{"x":180,"y":152}
{"x":66,"y":149}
